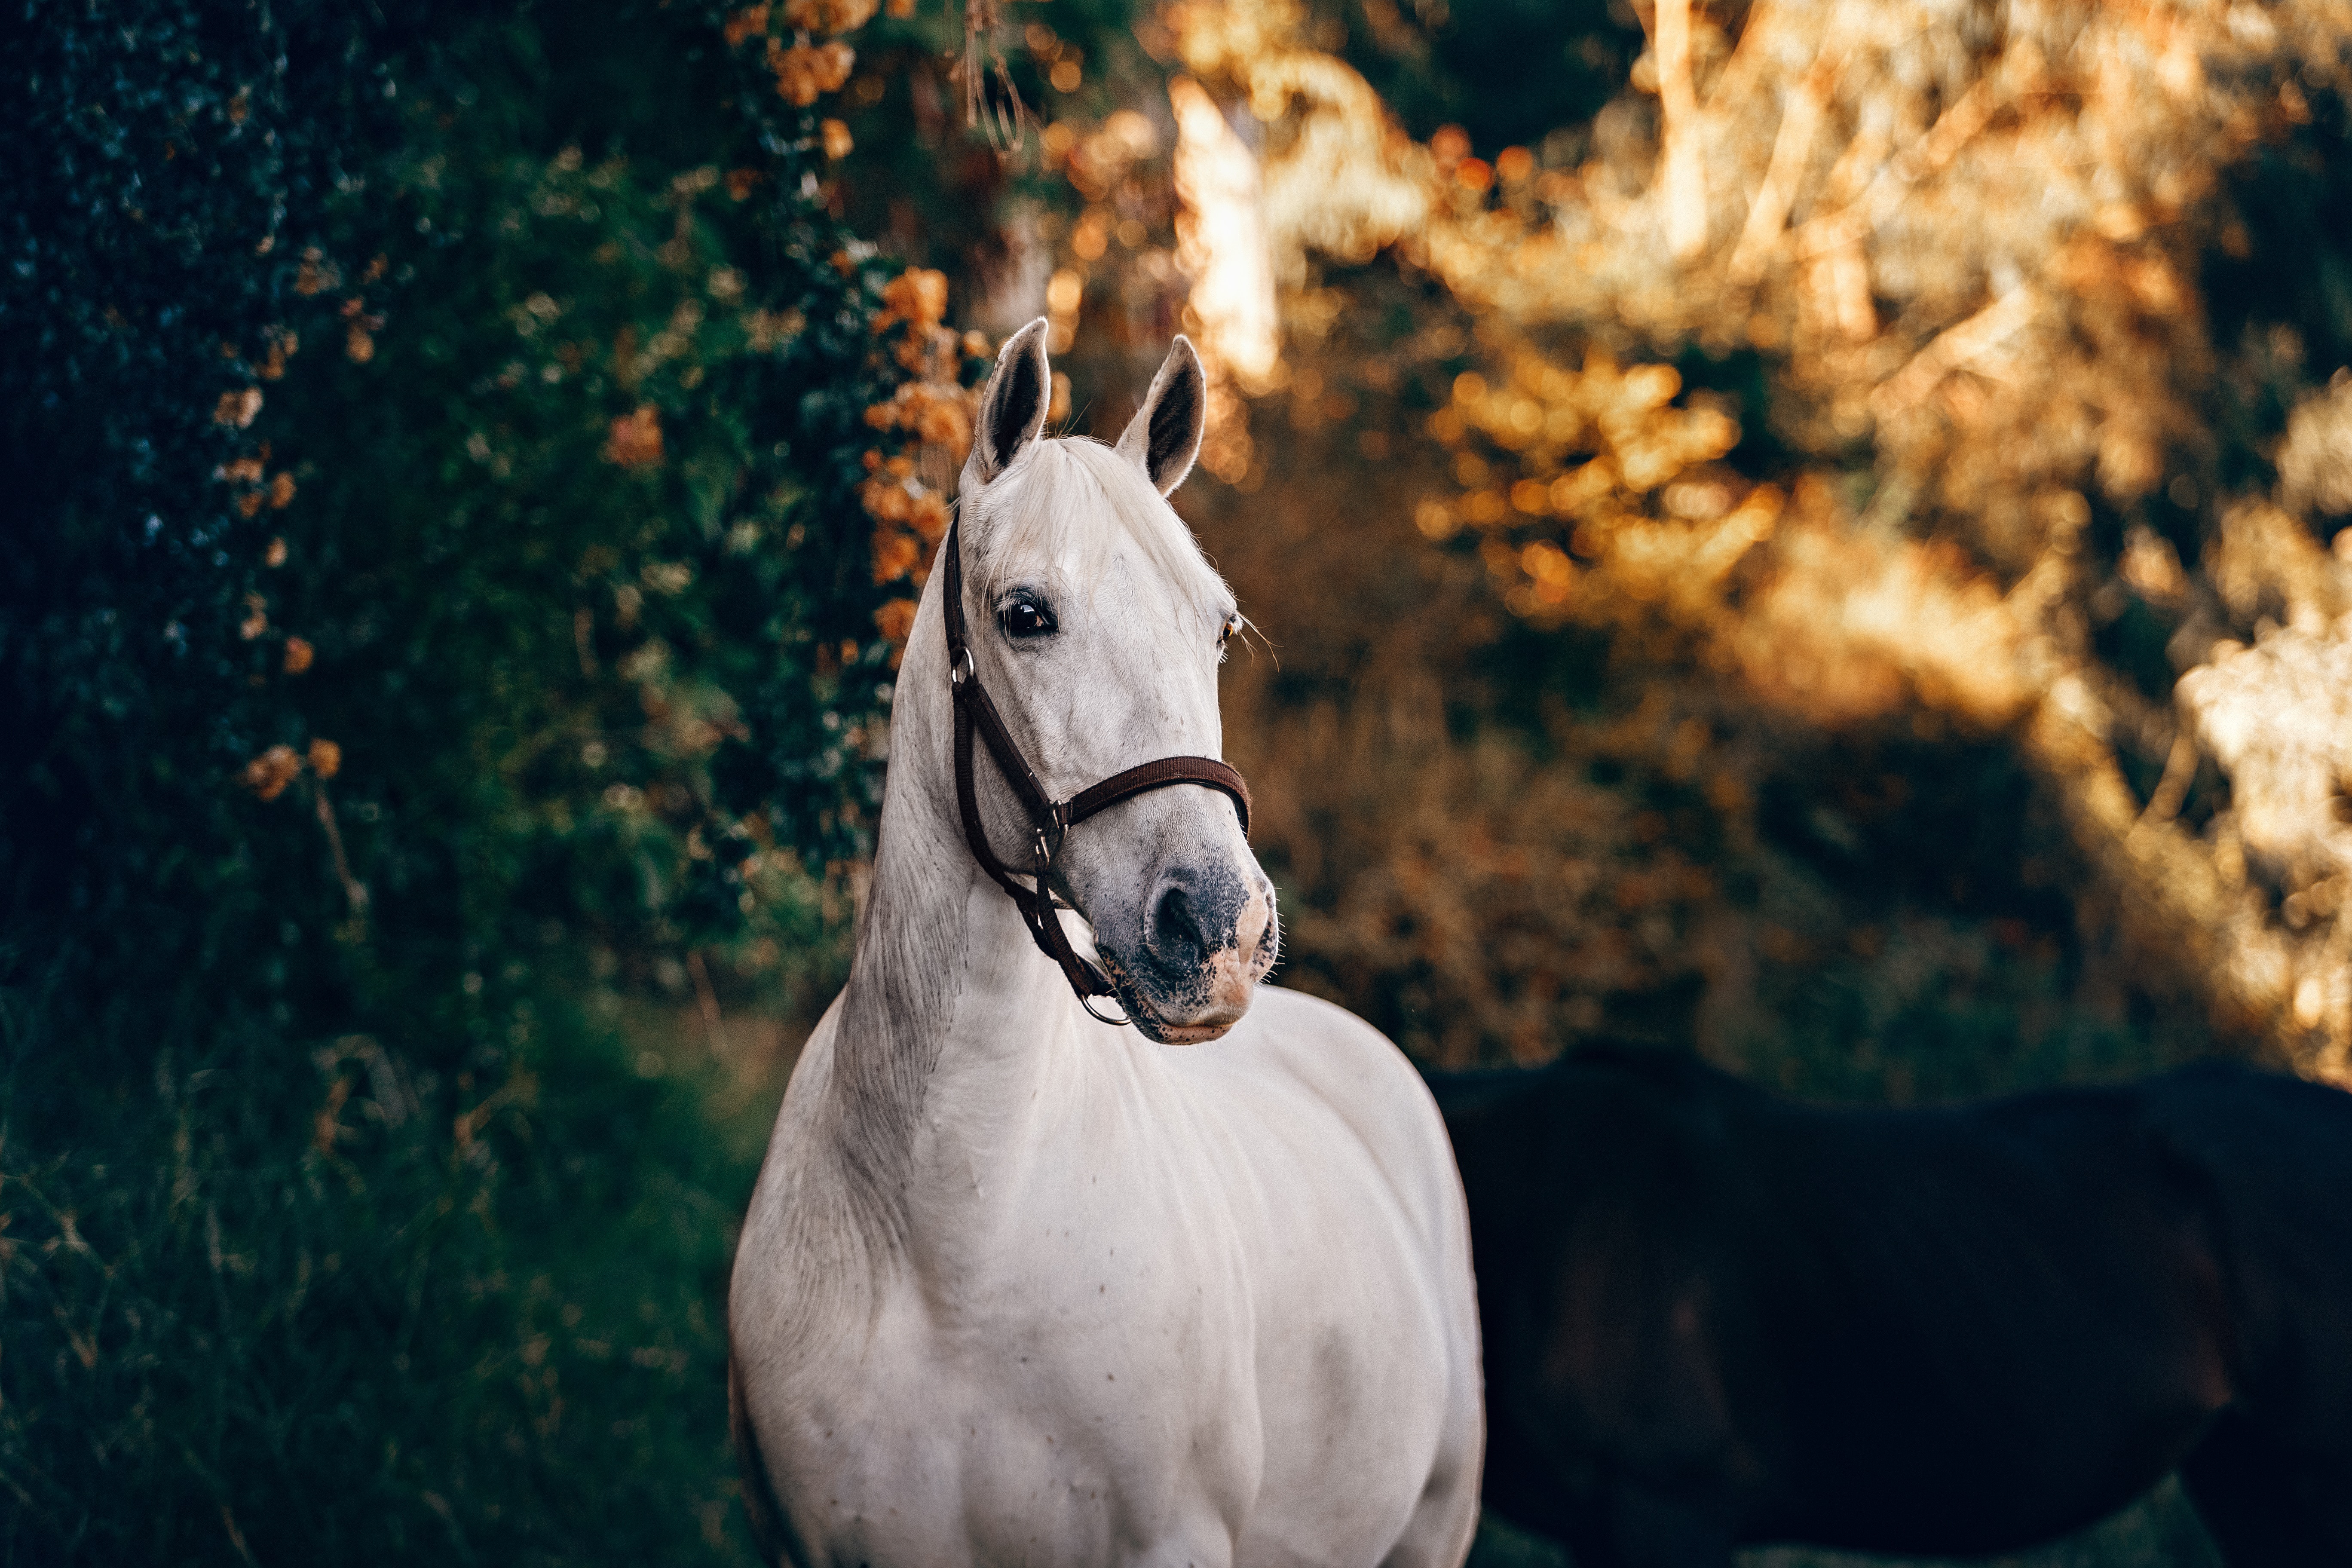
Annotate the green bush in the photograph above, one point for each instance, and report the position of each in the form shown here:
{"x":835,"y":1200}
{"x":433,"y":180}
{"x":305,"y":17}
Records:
{"x":430,"y":630}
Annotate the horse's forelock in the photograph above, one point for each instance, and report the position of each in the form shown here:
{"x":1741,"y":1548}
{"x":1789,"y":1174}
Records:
{"x":1064,"y":507}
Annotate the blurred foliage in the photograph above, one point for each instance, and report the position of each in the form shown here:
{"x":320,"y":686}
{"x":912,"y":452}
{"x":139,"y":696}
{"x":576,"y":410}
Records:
{"x":1904,"y":368}
{"x":1492,"y":835}
{"x":1506,"y":71}
{"x":444,"y":684}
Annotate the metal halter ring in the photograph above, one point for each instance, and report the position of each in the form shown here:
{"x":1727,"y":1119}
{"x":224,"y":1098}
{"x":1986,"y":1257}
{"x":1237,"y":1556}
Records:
{"x":960,"y":667}
{"x":1121,"y":1022}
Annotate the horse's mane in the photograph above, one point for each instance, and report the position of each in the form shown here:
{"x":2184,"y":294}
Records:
{"x":1053,"y":505}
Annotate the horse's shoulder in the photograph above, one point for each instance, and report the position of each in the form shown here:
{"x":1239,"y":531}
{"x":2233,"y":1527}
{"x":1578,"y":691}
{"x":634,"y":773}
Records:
{"x":1330,"y":1048}
{"x":1342,"y":1060}
{"x":1294,"y":1007}
{"x":1365,"y":1081}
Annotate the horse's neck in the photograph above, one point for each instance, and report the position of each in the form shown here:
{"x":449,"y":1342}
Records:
{"x":946,"y":985}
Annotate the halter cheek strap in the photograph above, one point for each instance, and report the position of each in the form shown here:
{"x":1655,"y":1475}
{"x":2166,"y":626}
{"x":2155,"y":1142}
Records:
{"x":1049,"y":819}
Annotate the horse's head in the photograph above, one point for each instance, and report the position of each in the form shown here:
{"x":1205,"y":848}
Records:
{"x":1098,"y":626}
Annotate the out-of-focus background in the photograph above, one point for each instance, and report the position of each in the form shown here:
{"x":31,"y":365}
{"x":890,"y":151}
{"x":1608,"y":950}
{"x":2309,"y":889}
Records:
{"x":1812,"y":532}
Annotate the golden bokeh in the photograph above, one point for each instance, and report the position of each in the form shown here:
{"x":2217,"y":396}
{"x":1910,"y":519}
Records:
{"x":1969,"y":269}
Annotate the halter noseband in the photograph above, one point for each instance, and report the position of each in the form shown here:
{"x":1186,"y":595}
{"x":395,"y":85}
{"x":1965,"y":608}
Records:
{"x":1049,"y":819}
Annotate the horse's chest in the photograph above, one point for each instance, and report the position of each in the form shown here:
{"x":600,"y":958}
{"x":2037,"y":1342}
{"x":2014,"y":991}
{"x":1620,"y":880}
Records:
{"x":1079,"y":1421}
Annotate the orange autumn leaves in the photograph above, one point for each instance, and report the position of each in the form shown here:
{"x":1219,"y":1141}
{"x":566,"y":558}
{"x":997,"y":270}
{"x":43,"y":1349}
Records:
{"x":804,"y":68}
{"x":1969,"y":266}
{"x":1601,"y":461}
{"x":634,"y":439}
{"x":248,"y":473}
{"x":905,"y":493}
{"x":268,"y":774}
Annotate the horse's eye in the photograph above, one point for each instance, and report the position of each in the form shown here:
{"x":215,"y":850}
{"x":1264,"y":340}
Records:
{"x":1026,"y":618}
{"x":1227,"y":632}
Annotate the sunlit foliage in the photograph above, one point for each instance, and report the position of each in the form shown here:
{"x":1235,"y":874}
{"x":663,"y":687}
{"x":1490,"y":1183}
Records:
{"x":2003,"y":310}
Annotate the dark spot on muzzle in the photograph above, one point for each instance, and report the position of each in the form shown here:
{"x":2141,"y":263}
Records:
{"x":1190,"y":915}
{"x":1208,"y":934}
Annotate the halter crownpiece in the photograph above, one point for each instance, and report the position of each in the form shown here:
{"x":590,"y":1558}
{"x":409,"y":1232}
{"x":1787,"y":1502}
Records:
{"x":1049,"y":819}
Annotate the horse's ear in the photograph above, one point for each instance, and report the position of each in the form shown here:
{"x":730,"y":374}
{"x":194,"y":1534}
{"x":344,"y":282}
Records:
{"x":1164,"y":437}
{"x":1013,"y":409}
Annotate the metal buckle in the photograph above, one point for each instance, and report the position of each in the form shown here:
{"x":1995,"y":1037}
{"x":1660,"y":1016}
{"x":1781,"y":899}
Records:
{"x":961,"y":667}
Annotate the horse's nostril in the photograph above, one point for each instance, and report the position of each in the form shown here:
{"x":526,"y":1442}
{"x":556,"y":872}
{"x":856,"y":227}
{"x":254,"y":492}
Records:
{"x":1175,"y":934}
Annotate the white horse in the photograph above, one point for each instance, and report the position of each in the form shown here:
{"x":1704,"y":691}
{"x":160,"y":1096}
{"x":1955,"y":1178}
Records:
{"x":1018,"y":1289}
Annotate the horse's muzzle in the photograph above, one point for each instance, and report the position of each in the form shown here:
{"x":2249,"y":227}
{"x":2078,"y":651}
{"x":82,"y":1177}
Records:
{"x":1208,"y":938}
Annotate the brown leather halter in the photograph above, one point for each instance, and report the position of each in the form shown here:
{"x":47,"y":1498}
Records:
{"x":1049,"y":818}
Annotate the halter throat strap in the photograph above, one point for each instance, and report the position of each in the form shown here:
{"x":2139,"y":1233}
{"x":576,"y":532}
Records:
{"x":1050,"y":820}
